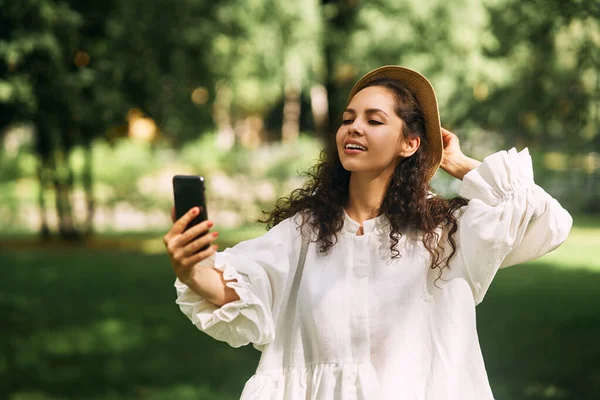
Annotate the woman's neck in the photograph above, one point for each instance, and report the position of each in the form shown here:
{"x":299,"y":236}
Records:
{"x":365,"y":196}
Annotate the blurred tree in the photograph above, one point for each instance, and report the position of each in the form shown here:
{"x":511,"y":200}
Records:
{"x":300,"y":25}
{"x":442,"y":40}
{"x":340,"y":19}
{"x":161,"y":56}
{"x":85,"y":70}
{"x":102,"y":102}
{"x":247,"y":62}
{"x":39,"y":83}
{"x":74,"y":69}
{"x":549,"y":97}
{"x":264,"y":51}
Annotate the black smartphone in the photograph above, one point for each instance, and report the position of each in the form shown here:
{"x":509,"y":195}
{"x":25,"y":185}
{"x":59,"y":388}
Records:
{"x":188,"y":192}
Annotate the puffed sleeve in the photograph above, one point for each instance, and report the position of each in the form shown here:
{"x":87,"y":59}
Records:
{"x":509,"y":219}
{"x":258,"y":270}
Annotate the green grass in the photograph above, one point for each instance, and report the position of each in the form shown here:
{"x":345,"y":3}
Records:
{"x":102,"y":324}
{"x":539,"y":325}
{"x":83,"y":324}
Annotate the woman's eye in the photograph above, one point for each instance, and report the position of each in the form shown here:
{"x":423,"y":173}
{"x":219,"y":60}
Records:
{"x":347,"y":121}
{"x":373,"y":122}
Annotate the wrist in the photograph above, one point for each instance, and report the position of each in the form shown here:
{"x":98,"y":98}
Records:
{"x":460,"y":166}
{"x":192,"y":282}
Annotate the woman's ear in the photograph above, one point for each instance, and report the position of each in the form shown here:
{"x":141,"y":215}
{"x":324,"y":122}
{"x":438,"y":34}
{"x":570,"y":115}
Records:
{"x":409,"y":146}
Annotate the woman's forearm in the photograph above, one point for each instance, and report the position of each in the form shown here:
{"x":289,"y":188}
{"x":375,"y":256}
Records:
{"x":209,"y":283}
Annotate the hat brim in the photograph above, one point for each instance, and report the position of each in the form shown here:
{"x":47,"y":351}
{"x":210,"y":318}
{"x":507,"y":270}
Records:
{"x":425,"y":94}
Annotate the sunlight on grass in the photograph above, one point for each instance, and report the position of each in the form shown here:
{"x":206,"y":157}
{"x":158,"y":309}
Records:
{"x":546,"y":392}
{"x":101,"y":323}
{"x":580,"y":250}
{"x":108,"y":335}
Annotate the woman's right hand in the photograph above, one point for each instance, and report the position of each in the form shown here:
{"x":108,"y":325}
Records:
{"x":183,"y":245}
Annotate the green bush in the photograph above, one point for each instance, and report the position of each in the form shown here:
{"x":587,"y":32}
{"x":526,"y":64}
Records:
{"x":133,"y":190}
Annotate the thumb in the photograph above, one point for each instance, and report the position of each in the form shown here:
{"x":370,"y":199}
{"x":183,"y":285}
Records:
{"x":173,"y":214}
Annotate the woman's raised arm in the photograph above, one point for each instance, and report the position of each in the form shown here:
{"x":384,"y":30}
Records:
{"x":182,"y":247}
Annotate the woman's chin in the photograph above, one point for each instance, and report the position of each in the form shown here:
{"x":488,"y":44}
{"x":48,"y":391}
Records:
{"x":352,"y":167}
{"x":354,"y":164}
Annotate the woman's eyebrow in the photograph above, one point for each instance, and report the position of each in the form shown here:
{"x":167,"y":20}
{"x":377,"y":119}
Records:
{"x":374,"y":110}
{"x":368,"y":111}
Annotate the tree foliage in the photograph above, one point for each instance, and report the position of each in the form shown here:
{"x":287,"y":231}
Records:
{"x":252,"y":70}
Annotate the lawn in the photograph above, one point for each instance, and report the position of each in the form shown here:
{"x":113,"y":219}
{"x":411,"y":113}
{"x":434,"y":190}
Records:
{"x":99,"y":323}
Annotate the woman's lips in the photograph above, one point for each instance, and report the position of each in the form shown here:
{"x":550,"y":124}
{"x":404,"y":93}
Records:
{"x":353,"y":151}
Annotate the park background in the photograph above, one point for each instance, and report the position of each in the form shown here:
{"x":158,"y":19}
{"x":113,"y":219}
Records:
{"x":102,"y":102}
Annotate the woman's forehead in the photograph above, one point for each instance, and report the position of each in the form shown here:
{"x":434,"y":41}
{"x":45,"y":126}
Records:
{"x":373,"y":97}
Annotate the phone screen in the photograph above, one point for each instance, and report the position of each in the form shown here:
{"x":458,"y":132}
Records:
{"x":188,"y":191}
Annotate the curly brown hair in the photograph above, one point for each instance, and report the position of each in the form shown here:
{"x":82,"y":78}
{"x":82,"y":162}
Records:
{"x":409,"y":202}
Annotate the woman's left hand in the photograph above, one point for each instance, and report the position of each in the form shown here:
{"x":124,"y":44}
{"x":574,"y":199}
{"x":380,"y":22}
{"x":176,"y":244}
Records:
{"x":454,"y":162}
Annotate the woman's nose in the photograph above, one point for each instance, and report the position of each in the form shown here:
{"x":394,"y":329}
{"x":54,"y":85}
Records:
{"x":356,"y":128}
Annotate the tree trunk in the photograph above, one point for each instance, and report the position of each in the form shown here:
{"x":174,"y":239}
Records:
{"x":248,"y":131}
{"x":337,"y":28}
{"x":87,"y":179}
{"x":222,"y":117}
{"x":330,"y":85}
{"x":43,"y":147}
{"x":319,"y":108}
{"x":63,"y":184}
{"x":291,"y":113}
{"x":44,"y":228}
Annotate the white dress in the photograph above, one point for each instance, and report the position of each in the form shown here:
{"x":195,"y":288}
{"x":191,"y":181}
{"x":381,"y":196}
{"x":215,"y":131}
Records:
{"x":369,"y":327}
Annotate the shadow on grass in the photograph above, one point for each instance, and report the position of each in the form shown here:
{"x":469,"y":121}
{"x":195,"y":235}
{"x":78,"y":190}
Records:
{"x":539,"y":328}
{"x":83,"y":324}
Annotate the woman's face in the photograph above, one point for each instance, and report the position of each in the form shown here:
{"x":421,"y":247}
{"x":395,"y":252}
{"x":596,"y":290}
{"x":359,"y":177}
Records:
{"x":370,"y":138}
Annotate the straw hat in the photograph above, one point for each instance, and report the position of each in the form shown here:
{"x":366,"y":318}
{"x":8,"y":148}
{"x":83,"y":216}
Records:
{"x":423,"y":90}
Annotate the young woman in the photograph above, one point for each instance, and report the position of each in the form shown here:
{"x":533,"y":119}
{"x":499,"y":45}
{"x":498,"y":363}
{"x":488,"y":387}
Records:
{"x":365,"y":287}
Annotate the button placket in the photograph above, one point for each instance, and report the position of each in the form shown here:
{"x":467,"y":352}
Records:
{"x":359,"y":298}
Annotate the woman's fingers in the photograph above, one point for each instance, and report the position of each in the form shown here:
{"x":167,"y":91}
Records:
{"x":180,"y":225}
{"x":196,"y":231}
{"x":173,"y":214}
{"x":450,"y":141}
{"x":200,"y":243}
{"x":204,"y":254}
{"x":447,"y":137}
{"x":188,"y":247}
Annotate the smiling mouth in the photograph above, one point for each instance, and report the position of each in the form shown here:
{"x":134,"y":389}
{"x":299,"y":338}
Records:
{"x":354,"y":146}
